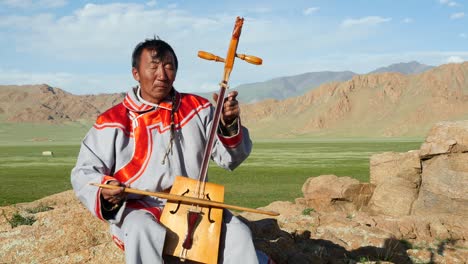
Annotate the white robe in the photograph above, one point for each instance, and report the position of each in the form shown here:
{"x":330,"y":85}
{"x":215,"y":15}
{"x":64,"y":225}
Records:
{"x":128,"y":143}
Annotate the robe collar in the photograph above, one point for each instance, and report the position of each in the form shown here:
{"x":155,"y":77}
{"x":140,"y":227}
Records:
{"x":135,"y":103}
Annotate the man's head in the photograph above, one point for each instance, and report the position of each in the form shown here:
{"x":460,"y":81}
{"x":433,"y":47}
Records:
{"x":154,"y":66}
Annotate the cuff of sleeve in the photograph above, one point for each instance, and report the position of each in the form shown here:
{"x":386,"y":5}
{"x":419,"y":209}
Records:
{"x":107,"y":179}
{"x":234,"y":140}
{"x":98,"y":208}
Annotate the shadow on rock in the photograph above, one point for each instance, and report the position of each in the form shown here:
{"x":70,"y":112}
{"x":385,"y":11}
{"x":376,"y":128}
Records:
{"x":284,"y":247}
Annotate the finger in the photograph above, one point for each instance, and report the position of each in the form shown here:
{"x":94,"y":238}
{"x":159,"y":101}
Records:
{"x":107,"y":193}
{"x":232,"y":96}
{"x":231,"y":104}
{"x":115,"y":198}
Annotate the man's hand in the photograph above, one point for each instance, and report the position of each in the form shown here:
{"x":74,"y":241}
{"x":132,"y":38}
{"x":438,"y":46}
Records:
{"x":113,"y":196}
{"x":231,"y":108}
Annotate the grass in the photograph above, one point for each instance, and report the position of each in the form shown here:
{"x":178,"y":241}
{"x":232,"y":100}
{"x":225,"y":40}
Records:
{"x":275,"y":171}
{"x":31,"y":134}
{"x":39,"y":209}
{"x":17,"y":219}
{"x":27,"y":176}
{"x":307,"y":211}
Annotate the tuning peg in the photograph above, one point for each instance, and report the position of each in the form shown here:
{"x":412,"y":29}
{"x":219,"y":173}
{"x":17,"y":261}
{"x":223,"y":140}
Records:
{"x":250,"y":59}
{"x":209,"y":56}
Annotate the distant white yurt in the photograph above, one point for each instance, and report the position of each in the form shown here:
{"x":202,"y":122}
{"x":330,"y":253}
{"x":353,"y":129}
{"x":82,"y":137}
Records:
{"x":47,"y":153}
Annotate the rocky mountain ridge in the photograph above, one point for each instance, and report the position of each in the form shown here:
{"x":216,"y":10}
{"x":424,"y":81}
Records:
{"x":291,"y":86}
{"x":382,"y":105}
{"x":42,"y":103}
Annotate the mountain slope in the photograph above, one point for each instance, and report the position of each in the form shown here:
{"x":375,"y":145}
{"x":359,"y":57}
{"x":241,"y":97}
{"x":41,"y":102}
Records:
{"x":412,"y":67}
{"x":373,"y":105}
{"x":42,"y":103}
{"x":290,"y":86}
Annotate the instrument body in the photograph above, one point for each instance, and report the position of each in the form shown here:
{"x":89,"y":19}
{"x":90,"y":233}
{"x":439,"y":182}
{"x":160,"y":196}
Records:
{"x":207,"y":231}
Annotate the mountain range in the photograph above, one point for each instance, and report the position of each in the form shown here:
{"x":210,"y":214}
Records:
{"x":291,"y":86}
{"x":370,"y":105}
{"x":389,"y":104}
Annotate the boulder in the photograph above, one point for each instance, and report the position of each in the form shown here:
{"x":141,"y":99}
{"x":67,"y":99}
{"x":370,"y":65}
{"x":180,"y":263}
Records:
{"x":446,"y":137}
{"x":63,"y":232}
{"x":397,"y":177}
{"x":444,"y":188}
{"x":331,"y":193}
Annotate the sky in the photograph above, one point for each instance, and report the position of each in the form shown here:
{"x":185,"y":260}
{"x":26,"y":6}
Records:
{"x":85,"y":47}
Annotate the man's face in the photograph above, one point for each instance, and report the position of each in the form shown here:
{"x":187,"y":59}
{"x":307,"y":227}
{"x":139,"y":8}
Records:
{"x":156,"y":74}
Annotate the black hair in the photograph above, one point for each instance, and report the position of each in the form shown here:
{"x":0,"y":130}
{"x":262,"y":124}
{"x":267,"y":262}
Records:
{"x":157,"y":44}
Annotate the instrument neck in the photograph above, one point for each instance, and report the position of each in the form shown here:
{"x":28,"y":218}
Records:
{"x":211,"y":137}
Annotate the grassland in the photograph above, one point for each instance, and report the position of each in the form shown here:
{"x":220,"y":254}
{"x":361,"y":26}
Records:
{"x":275,"y":170}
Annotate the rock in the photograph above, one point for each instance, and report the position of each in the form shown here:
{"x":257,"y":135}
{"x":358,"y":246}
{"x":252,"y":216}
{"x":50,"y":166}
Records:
{"x":397,"y":177}
{"x":331,"y":193}
{"x":67,"y":233}
{"x":444,"y":188}
{"x":446,"y":137}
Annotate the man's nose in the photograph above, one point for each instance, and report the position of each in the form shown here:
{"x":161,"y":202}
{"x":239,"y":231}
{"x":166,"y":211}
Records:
{"x":161,"y":73}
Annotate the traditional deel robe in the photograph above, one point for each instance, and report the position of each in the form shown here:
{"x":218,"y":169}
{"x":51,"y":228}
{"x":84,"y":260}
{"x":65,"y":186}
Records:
{"x":128,"y":143}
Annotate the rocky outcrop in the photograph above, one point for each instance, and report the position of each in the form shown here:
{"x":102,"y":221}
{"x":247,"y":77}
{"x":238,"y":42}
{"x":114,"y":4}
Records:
{"x":414,"y":210}
{"x":445,"y":138}
{"x":332,"y":193}
{"x":398,"y":178}
{"x":63,"y":232}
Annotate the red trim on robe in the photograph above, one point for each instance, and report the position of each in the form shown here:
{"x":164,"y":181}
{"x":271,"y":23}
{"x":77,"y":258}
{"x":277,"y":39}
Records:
{"x":234,"y":141}
{"x":157,"y":120}
{"x":119,"y":243}
{"x":142,"y":205}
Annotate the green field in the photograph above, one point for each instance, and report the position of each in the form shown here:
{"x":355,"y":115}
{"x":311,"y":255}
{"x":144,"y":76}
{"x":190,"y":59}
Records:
{"x":275,"y":171}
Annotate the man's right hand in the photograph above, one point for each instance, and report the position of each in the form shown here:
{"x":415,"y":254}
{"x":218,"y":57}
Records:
{"x":113,"y":196}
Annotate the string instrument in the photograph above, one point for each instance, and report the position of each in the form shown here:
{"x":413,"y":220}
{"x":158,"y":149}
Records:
{"x":194,"y":230}
{"x":194,"y":209}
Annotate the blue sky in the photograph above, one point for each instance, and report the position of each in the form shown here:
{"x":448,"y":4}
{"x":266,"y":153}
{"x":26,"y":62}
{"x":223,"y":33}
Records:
{"x":85,"y":47}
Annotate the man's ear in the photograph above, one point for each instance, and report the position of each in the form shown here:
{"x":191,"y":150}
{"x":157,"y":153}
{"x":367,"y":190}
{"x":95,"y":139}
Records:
{"x":135,"y":74}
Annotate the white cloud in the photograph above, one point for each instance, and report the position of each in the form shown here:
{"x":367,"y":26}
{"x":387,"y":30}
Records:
{"x":448,"y":2}
{"x":364,"y":21}
{"x":17,"y":3}
{"x":457,"y":15}
{"x":103,"y":37}
{"x":454,"y":59}
{"x":260,"y":10}
{"x":25,"y":4}
{"x":311,"y":10}
{"x":407,"y":20}
{"x":151,"y":3}
{"x":106,"y":30}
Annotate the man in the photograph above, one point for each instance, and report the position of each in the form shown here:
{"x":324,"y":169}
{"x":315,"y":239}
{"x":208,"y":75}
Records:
{"x":155,"y":134}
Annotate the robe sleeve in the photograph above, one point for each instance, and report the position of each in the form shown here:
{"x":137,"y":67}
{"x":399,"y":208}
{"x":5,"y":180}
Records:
{"x":95,"y":164}
{"x":230,"y":151}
